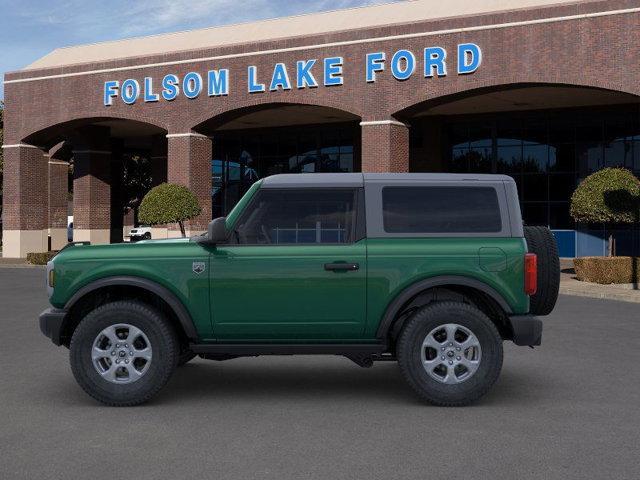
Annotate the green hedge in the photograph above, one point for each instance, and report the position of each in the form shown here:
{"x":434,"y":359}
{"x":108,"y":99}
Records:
{"x":607,"y":270}
{"x":40,"y":258}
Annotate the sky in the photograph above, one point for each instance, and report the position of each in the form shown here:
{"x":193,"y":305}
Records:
{"x":29,"y":29}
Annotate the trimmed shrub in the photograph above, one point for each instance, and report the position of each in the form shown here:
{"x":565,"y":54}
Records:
{"x":40,"y":258}
{"x":607,"y":270}
{"x":169,"y":203}
{"x":609,"y":196}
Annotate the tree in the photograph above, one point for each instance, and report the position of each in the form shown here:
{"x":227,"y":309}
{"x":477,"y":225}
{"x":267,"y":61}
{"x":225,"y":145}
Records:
{"x":169,"y":203}
{"x":609,"y":196}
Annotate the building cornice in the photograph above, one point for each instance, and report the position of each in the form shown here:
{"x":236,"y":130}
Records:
{"x":254,"y":53}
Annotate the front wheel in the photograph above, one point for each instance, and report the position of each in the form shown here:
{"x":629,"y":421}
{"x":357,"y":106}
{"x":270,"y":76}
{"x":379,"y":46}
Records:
{"x":123,"y":353}
{"x":450,"y":353}
{"x":185,"y":356}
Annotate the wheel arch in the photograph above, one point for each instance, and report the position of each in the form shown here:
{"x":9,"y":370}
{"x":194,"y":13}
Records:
{"x":129,"y":287}
{"x":483,"y":296}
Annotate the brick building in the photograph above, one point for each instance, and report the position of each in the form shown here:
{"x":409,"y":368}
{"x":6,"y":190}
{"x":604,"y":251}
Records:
{"x":543,"y":90}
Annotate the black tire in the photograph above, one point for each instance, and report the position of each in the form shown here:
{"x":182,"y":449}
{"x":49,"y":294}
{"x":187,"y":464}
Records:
{"x":147,"y":236}
{"x":164,"y":347}
{"x":185,"y":357}
{"x":541,"y":241}
{"x":409,"y":351}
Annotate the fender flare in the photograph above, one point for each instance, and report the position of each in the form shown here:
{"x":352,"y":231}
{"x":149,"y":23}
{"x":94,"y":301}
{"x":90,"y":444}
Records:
{"x":165,"y":294}
{"x":415,"y":288}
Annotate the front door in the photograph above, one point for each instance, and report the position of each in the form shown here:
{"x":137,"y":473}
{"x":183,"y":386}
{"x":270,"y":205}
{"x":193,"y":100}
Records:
{"x":295,"y":268}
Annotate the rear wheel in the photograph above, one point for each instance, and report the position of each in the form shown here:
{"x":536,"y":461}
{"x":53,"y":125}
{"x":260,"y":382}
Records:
{"x":541,"y":241}
{"x":123,"y":353}
{"x":450,"y":353}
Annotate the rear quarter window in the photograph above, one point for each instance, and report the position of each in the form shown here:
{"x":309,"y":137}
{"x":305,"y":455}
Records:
{"x":441,"y":209}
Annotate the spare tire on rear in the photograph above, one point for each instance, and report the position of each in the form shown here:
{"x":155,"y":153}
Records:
{"x":541,"y":241}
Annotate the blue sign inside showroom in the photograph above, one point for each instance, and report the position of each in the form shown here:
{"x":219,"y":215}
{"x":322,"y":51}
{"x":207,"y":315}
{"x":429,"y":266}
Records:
{"x":308,"y":73}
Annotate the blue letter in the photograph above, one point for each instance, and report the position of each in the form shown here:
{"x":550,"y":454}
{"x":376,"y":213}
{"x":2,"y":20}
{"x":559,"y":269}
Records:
{"x":375,"y":63}
{"x":110,"y":91}
{"x":192,"y":85}
{"x":304,"y":77}
{"x":280,"y":78}
{"x":130,"y":91}
{"x":170,"y":86}
{"x":409,"y":67}
{"x":149,"y":96}
{"x":218,"y":82}
{"x":434,"y":57}
{"x":466,"y":64}
{"x":333,"y":71}
{"x":253,"y":86}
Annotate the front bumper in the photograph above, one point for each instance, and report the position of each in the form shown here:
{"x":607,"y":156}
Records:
{"x":51,"y":324}
{"x":527,"y":330}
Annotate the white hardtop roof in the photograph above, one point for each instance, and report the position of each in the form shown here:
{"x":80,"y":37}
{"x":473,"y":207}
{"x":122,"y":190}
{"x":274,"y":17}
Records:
{"x":286,"y":27}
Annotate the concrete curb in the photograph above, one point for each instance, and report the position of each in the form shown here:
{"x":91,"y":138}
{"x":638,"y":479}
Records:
{"x":605,"y":292}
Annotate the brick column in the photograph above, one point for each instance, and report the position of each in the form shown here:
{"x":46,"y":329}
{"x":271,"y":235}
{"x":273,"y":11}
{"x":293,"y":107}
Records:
{"x":189,"y":164}
{"x":385,"y":146}
{"x":25,"y":203}
{"x":92,"y":196}
{"x":58,"y":191}
{"x":92,"y":185}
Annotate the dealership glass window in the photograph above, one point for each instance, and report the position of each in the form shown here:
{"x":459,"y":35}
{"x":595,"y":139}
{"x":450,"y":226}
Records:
{"x":473,"y":152}
{"x":247,"y":155}
{"x":440,"y":210}
{"x":291,"y":216}
{"x":547,"y":152}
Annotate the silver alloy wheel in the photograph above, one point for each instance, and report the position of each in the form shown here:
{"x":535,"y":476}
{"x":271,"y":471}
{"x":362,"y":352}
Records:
{"x":121,"y":353}
{"x":451,"y":353}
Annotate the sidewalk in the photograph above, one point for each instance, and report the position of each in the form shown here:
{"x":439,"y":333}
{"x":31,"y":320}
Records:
{"x":570,"y":286}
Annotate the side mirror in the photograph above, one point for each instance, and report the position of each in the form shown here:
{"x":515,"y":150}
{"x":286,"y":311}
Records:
{"x":217,"y":231}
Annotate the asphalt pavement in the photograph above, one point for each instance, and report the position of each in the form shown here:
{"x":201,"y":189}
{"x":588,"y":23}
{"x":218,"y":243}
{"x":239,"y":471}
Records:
{"x":567,"y":410}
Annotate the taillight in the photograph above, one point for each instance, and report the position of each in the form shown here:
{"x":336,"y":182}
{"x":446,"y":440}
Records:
{"x":530,"y":273}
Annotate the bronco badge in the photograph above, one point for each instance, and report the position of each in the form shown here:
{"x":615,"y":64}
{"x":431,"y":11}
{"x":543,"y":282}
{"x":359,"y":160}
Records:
{"x":198,"y":267}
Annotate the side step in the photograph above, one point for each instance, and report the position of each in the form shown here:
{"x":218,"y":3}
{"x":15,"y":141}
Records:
{"x":361,"y":354}
{"x":253,"y":349}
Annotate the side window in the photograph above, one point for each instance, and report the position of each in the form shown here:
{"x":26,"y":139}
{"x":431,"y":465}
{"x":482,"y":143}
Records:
{"x":298,"y":216}
{"x":441,"y":209}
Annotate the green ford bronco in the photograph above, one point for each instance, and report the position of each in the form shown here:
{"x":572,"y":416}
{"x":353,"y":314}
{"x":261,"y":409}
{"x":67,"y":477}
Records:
{"x":433,"y":271}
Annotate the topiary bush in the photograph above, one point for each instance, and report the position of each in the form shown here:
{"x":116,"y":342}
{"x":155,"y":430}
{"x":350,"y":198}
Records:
{"x":169,"y":203}
{"x":606,"y":270}
{"x":609,"y":196}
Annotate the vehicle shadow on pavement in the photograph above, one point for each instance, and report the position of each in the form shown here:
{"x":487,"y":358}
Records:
{"x":288,"y":381}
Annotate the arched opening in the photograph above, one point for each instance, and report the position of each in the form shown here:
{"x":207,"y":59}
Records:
{"x":110,"y":163}
{"x":547,"y":137}
{"x":255,"y":142}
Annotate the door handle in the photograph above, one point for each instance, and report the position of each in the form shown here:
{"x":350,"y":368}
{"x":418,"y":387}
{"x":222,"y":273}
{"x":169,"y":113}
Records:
{"x":341,"y":267}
